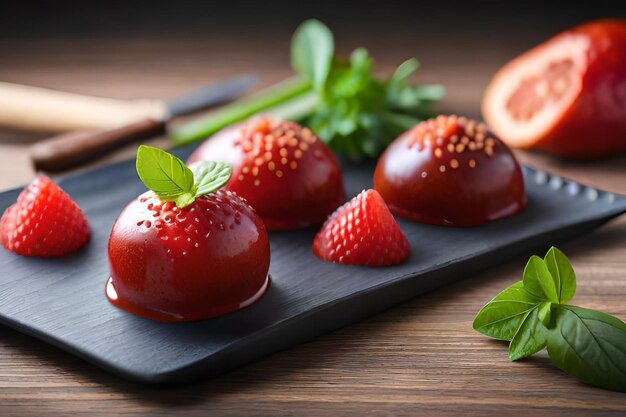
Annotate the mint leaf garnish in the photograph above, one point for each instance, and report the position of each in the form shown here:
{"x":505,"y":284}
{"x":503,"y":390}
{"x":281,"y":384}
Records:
{"x":532,"y":314}
{"x":210,"y":176}
{"x":171,"y":180}
{"x":165,"y":174}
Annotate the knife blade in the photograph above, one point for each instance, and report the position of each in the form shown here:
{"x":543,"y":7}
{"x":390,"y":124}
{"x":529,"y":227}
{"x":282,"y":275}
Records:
{"x":210,"y":94}
{"x":69,"y":150}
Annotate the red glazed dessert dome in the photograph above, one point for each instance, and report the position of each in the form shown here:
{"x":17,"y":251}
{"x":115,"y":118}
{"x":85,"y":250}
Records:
{"x":180,"y":264}
{"x":450,"y":171}
{"x":282,"y":169}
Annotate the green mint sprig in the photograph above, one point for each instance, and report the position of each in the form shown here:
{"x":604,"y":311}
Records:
{"x":171,"y":180}
{"x":532,"y":315}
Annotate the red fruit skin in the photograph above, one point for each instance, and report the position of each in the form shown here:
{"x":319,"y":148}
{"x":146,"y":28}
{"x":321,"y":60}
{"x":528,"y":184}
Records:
{"x":283,"y":170}
{"x":44,"y":222}
{"x":594,"y":124}
{"x":201,"y":261}
{"x":362,"y":232}
{"x":428,"y":176}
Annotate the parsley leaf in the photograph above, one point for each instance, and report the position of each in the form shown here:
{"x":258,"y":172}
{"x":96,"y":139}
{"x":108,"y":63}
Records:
{"x":312,"y":52}
{"x":358,"y":114}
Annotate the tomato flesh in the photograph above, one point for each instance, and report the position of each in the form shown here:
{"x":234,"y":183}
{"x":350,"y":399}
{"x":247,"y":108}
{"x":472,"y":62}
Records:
{"x":566,"y":96}
{"x":537,"y":91}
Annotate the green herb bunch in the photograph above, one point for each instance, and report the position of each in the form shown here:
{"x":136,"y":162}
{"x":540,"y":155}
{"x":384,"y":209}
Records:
{"x":355,"y":112}
{"x":532,"y":314}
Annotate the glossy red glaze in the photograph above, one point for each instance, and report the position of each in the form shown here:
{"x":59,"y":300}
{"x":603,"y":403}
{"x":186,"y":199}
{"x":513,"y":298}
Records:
{"x":566,"y":96}
{"x":450,"y":171}
{"x":283,"y":170}
{"x":202,"y":261}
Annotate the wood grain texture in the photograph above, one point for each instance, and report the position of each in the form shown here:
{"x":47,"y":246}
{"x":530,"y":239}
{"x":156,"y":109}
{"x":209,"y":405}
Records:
{"x":421,"y":358}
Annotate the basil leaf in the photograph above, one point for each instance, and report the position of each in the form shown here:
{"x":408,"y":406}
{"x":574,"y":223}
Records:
{"x":502,"y":316}
{"x":544,"y":312}
{"x":538,"y":280}
{"x":312,"y":51}
{"x":564,"y":277}
{"x":530,"y":337}
{"x":210,"y":176}
{"x":589,"y":345}
{"x":166,"y":175}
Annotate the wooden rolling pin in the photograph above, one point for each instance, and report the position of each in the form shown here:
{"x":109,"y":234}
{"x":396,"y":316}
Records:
{"x":42,"y":110}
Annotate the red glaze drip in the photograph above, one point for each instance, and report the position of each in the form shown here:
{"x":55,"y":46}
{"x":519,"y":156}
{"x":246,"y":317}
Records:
{"x":202,"y":261}
{"x":283,"y":170}
{"x":450,"y":171}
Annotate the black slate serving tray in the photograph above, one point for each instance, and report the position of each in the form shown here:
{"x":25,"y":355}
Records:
{"x":62,"y":301}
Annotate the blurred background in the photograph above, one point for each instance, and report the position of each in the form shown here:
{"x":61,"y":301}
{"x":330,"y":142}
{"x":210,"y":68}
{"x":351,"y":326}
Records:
{"x":159,"y":48}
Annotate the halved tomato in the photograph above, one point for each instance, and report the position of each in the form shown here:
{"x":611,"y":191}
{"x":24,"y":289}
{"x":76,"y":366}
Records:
{"x":566,"y":96}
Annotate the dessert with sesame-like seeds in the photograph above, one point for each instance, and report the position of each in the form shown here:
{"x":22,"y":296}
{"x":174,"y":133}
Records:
{"x":450,"y":171}
{"x":283,"y":170}
{"x":186,"y":250}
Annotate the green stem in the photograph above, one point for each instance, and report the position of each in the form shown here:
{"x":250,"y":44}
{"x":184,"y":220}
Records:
{"x":296,"y":109}
{"x":215,"y":120}
{"x":402,"y":121}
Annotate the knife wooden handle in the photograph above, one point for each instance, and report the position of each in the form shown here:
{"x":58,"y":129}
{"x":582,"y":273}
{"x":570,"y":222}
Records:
{"x":43,"y":110}
{"x":71,"y":149}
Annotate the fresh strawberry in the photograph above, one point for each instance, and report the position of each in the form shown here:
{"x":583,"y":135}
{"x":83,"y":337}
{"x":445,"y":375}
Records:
{"x":362,"y":232}
{"x":286,"y":173}
{"x":186,"y":250}
{"x":43,"y":222}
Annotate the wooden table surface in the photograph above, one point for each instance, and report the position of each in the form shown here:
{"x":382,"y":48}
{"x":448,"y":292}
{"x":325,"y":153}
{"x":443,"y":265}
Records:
{"x":420,"y":358}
